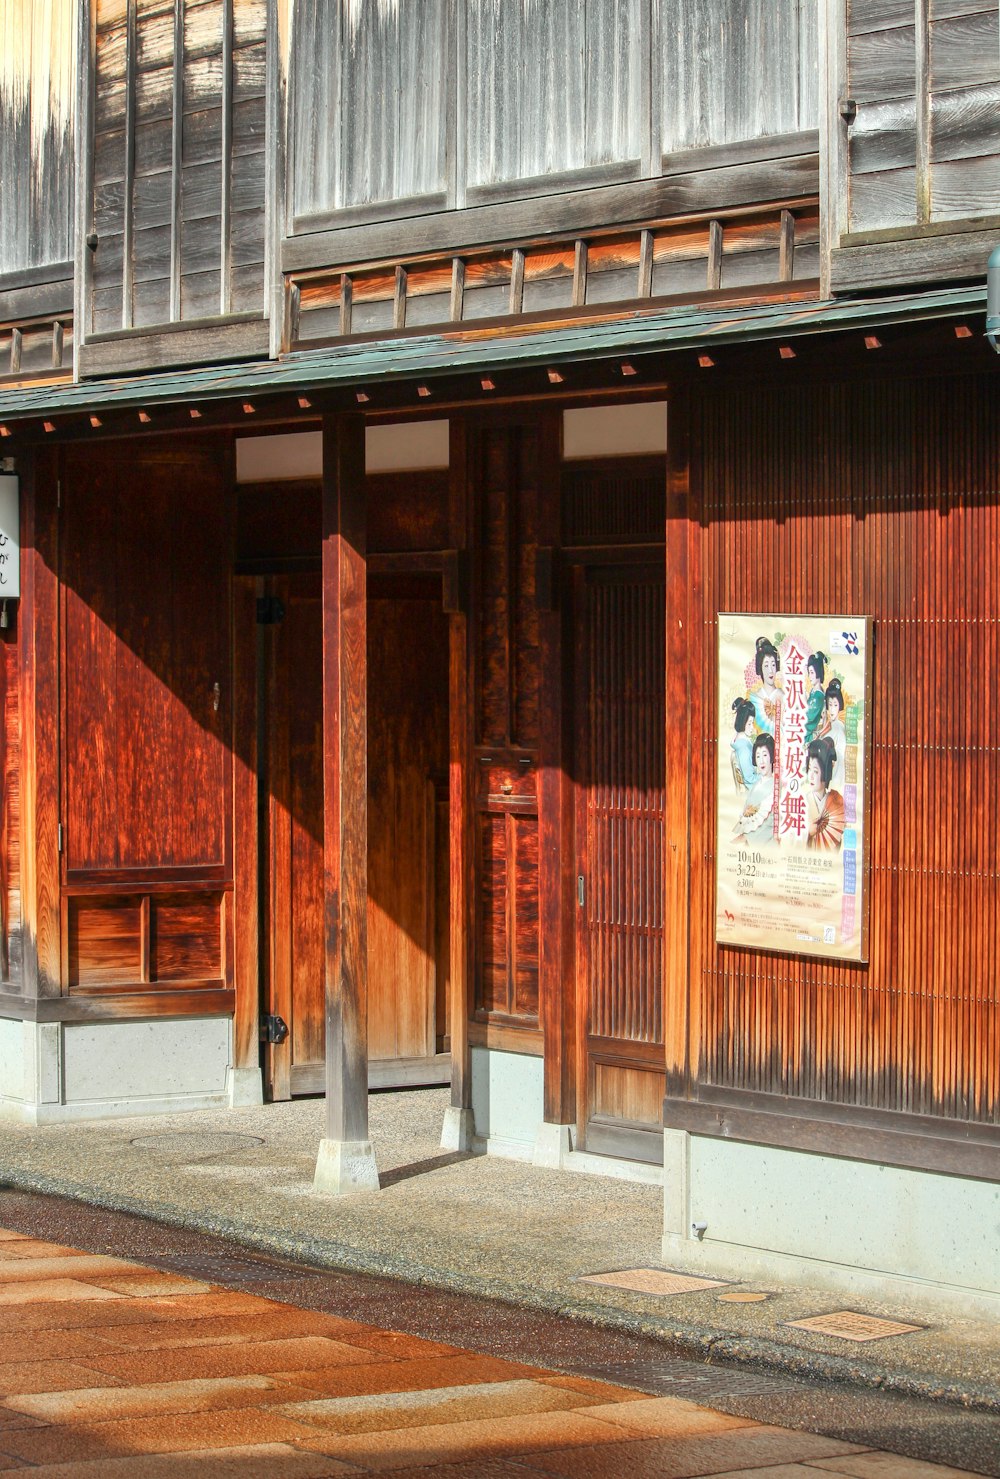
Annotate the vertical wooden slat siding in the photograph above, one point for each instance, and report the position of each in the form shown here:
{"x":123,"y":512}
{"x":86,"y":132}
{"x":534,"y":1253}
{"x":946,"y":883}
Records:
{"x":625,"y":807}
{"x":226,"y":203}
{"x":877,"y":499}
{"x":128,"y":166}
{"x":37,"y":86}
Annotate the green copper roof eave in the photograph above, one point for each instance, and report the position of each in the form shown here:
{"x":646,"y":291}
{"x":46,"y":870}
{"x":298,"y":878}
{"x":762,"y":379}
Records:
{"x":470,"y":350}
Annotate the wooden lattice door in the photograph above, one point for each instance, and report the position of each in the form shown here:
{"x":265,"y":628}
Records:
{"x":620,"y":694}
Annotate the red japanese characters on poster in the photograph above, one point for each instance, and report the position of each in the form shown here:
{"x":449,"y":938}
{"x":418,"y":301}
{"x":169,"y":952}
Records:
{"x":792,"y":812}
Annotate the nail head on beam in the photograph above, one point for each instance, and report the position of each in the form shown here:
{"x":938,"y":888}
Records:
{"x":5,"y":431}
{"x":487,"y":383}
{"x":786,"y":351}
{"x":628,"y":369}
{"x":48,"y":426}
{"x":361,"y":398}
{"x":194,"y":413}
{"x":962,"y":331}
{"x":554,"y":377}
{"x":95,"y":421}
{"x":423,"y":391}
{"x":872,"y":341}
{"x":249,"y":408}
{"x":305,"y":404}
{"x":706,"y":361}
{"x":145,"y":417}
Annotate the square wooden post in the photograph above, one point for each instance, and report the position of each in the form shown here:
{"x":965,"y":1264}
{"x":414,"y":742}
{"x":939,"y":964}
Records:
{"x":346,"y":1162}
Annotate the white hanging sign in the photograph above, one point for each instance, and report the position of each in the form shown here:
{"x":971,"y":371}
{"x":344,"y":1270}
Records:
{"x":10,"y":537}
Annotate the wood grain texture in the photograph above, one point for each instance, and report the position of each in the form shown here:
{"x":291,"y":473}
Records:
{"x":908,"y":502}
{"x":246,"y":902}
{"x":38,"y":642}
{"x":145,"y":661}
{"x":345,"y":808}
{"x":461,"y":765}
{"x":11,"y":924}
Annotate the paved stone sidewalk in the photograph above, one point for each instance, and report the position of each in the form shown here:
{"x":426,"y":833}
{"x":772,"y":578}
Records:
{"x":110,"y":1368}
{"x":479,"y":1225}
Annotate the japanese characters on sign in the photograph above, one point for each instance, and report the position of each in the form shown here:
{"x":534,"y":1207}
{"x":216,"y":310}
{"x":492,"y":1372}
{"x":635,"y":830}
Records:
{"x":10,"y":537}
{"x":792,"y":814}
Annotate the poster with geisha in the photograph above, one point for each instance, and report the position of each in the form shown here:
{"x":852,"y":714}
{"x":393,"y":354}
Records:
{"x":793,"y":715}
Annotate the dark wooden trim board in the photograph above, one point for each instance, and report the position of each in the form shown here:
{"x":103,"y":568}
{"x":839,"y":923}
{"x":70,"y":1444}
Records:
{"x":883,"y":1136}
{"x":134,"y":1006}
{"x":212,"y":341}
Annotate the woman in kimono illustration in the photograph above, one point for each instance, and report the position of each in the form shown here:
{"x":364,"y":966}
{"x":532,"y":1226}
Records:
{"x":743,"y":742}
{"x":824,"y":806}
{"x":816,"y":702}
{"x":834,"y":728}
{"x":766,"y":699}
{"x":756,"y":822}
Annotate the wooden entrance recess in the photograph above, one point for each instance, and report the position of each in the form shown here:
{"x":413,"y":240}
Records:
{"x":407,"y":831}
{"x":619,"y":764}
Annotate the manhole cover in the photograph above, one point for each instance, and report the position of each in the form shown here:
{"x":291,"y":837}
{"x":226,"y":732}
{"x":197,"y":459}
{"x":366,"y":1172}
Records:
{"x":651,"y":1281}
{"x":848,"y":1325}
{"x":742,"y":1296}
{"x":190,"y":1142}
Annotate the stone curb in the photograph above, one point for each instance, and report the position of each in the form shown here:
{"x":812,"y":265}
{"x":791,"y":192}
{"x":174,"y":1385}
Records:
{"x":679,"y":1338}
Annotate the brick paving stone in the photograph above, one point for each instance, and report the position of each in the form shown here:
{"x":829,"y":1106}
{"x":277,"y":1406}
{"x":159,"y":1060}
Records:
{"x":261,"y":1461}
{"x":475,"y":1402}
{"x":20,"y":1377}
{"x":33,"y":1291}
{"x":65,"y":1266}
{"x":885,"y":1466}
{"x":113,"y":1404}
{"x":182,"y":1433}
{"x":148,"y":1284}
{"x":242,"y":1358}
{"x":686,"y":1457}
{"x":120,"y":1310}
{"x":407,"y":1376}
{"x":666,"y":1417}
{"x":467,"y":1441}
{"x":273,"y":1324}
{"x":19,"y":1248}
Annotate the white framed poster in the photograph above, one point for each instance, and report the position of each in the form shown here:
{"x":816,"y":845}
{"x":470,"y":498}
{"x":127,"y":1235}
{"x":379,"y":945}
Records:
{"x":794,"y":699}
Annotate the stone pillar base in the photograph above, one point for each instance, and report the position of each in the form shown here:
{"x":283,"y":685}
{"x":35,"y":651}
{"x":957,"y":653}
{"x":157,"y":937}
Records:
{"x":458,"y":1129}
{"x":244,"y":1088}
{"x":344,"y":1167}
{"x":552,"y":1144}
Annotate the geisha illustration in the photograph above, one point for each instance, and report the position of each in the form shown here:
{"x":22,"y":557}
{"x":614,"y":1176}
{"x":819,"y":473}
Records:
{"x":824,"y":805}
{"x":834,"y":728}
{"x":816,"y":702}
{"x":766,"y":699}
{"x":746,"y":729}
{"x":756,"y":821}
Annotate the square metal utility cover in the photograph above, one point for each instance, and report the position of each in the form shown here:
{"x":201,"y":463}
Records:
{"x":651,"y":1281}
{"x":847,"y":1325}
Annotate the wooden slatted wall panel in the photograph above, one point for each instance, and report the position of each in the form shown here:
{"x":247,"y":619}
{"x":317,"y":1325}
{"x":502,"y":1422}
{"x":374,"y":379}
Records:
{"x":885,"y":500}
{"x":37,"y":83}
{"x":624,"y":808}
{"x":369,"y":102}
{"x":739,"y":71}
{"x":11,"y":947}
{"x":179,"y":161}
{"x":507,"y":723}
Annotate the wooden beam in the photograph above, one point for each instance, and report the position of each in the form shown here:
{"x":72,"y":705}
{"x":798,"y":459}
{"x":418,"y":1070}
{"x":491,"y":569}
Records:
{"x":679,"y":680}
{"x":458,"y":1126}
{"x":38,"y":638}
{"x":556,"y":954}
{"x":345,"y":1162}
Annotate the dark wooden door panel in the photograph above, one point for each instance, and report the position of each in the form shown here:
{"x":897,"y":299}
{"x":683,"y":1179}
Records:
{"x":620,"y":695}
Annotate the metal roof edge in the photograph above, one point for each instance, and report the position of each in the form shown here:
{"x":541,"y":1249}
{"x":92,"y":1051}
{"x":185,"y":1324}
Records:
{"x":468,"y":349}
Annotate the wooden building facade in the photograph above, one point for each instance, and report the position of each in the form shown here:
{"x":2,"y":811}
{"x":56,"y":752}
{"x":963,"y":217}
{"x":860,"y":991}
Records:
{"x":398,"y":392}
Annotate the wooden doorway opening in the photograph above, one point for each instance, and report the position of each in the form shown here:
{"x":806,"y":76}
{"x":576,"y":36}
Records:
{"x":408,"y":918}
{"x":619,"y":696}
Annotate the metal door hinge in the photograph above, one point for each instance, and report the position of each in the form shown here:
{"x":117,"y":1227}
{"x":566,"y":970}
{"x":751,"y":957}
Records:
{"x":580,"y":890}
{"x":273,"y":1029}
{"x":59,"y":837}
{"x":269,"y":611}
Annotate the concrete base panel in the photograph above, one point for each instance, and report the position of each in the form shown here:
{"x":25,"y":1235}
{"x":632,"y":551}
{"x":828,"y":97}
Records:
{"x":760,"y":1213}
{"x":54,"y":1072}
{"x":344,"y":1167}
{"x":458,"y":1129}
{"x":507,"y":1101}
{"x":244,"y":1088}
{"x":553,"y":1143}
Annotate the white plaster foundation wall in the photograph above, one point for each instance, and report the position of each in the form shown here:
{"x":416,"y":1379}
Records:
{"x":791,"y":1217}
{"x":53,"y":1072}
{"x":507,"y":1101}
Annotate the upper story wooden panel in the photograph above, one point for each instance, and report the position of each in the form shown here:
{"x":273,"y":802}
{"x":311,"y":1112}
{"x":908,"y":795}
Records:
{"x":914,"y":103}
{"x":175,"y":196}
{"x":455,"y":123}
{"x":37,"y":93}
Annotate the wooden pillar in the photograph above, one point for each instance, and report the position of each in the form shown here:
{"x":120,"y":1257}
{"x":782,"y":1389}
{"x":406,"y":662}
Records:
{"x":682,"y":681}
{"x":458,"y":1126}
{"x":38,"y":640}
{"x":345,"y":1162}
{"x":245,"y":1078}
{"x":556,"y":956}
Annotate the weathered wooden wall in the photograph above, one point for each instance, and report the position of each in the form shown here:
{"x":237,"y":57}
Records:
{"x":922,"y":149}
{"x":37,"y":95}
{"x":177,"y":197}
{"x":885,"y":500}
